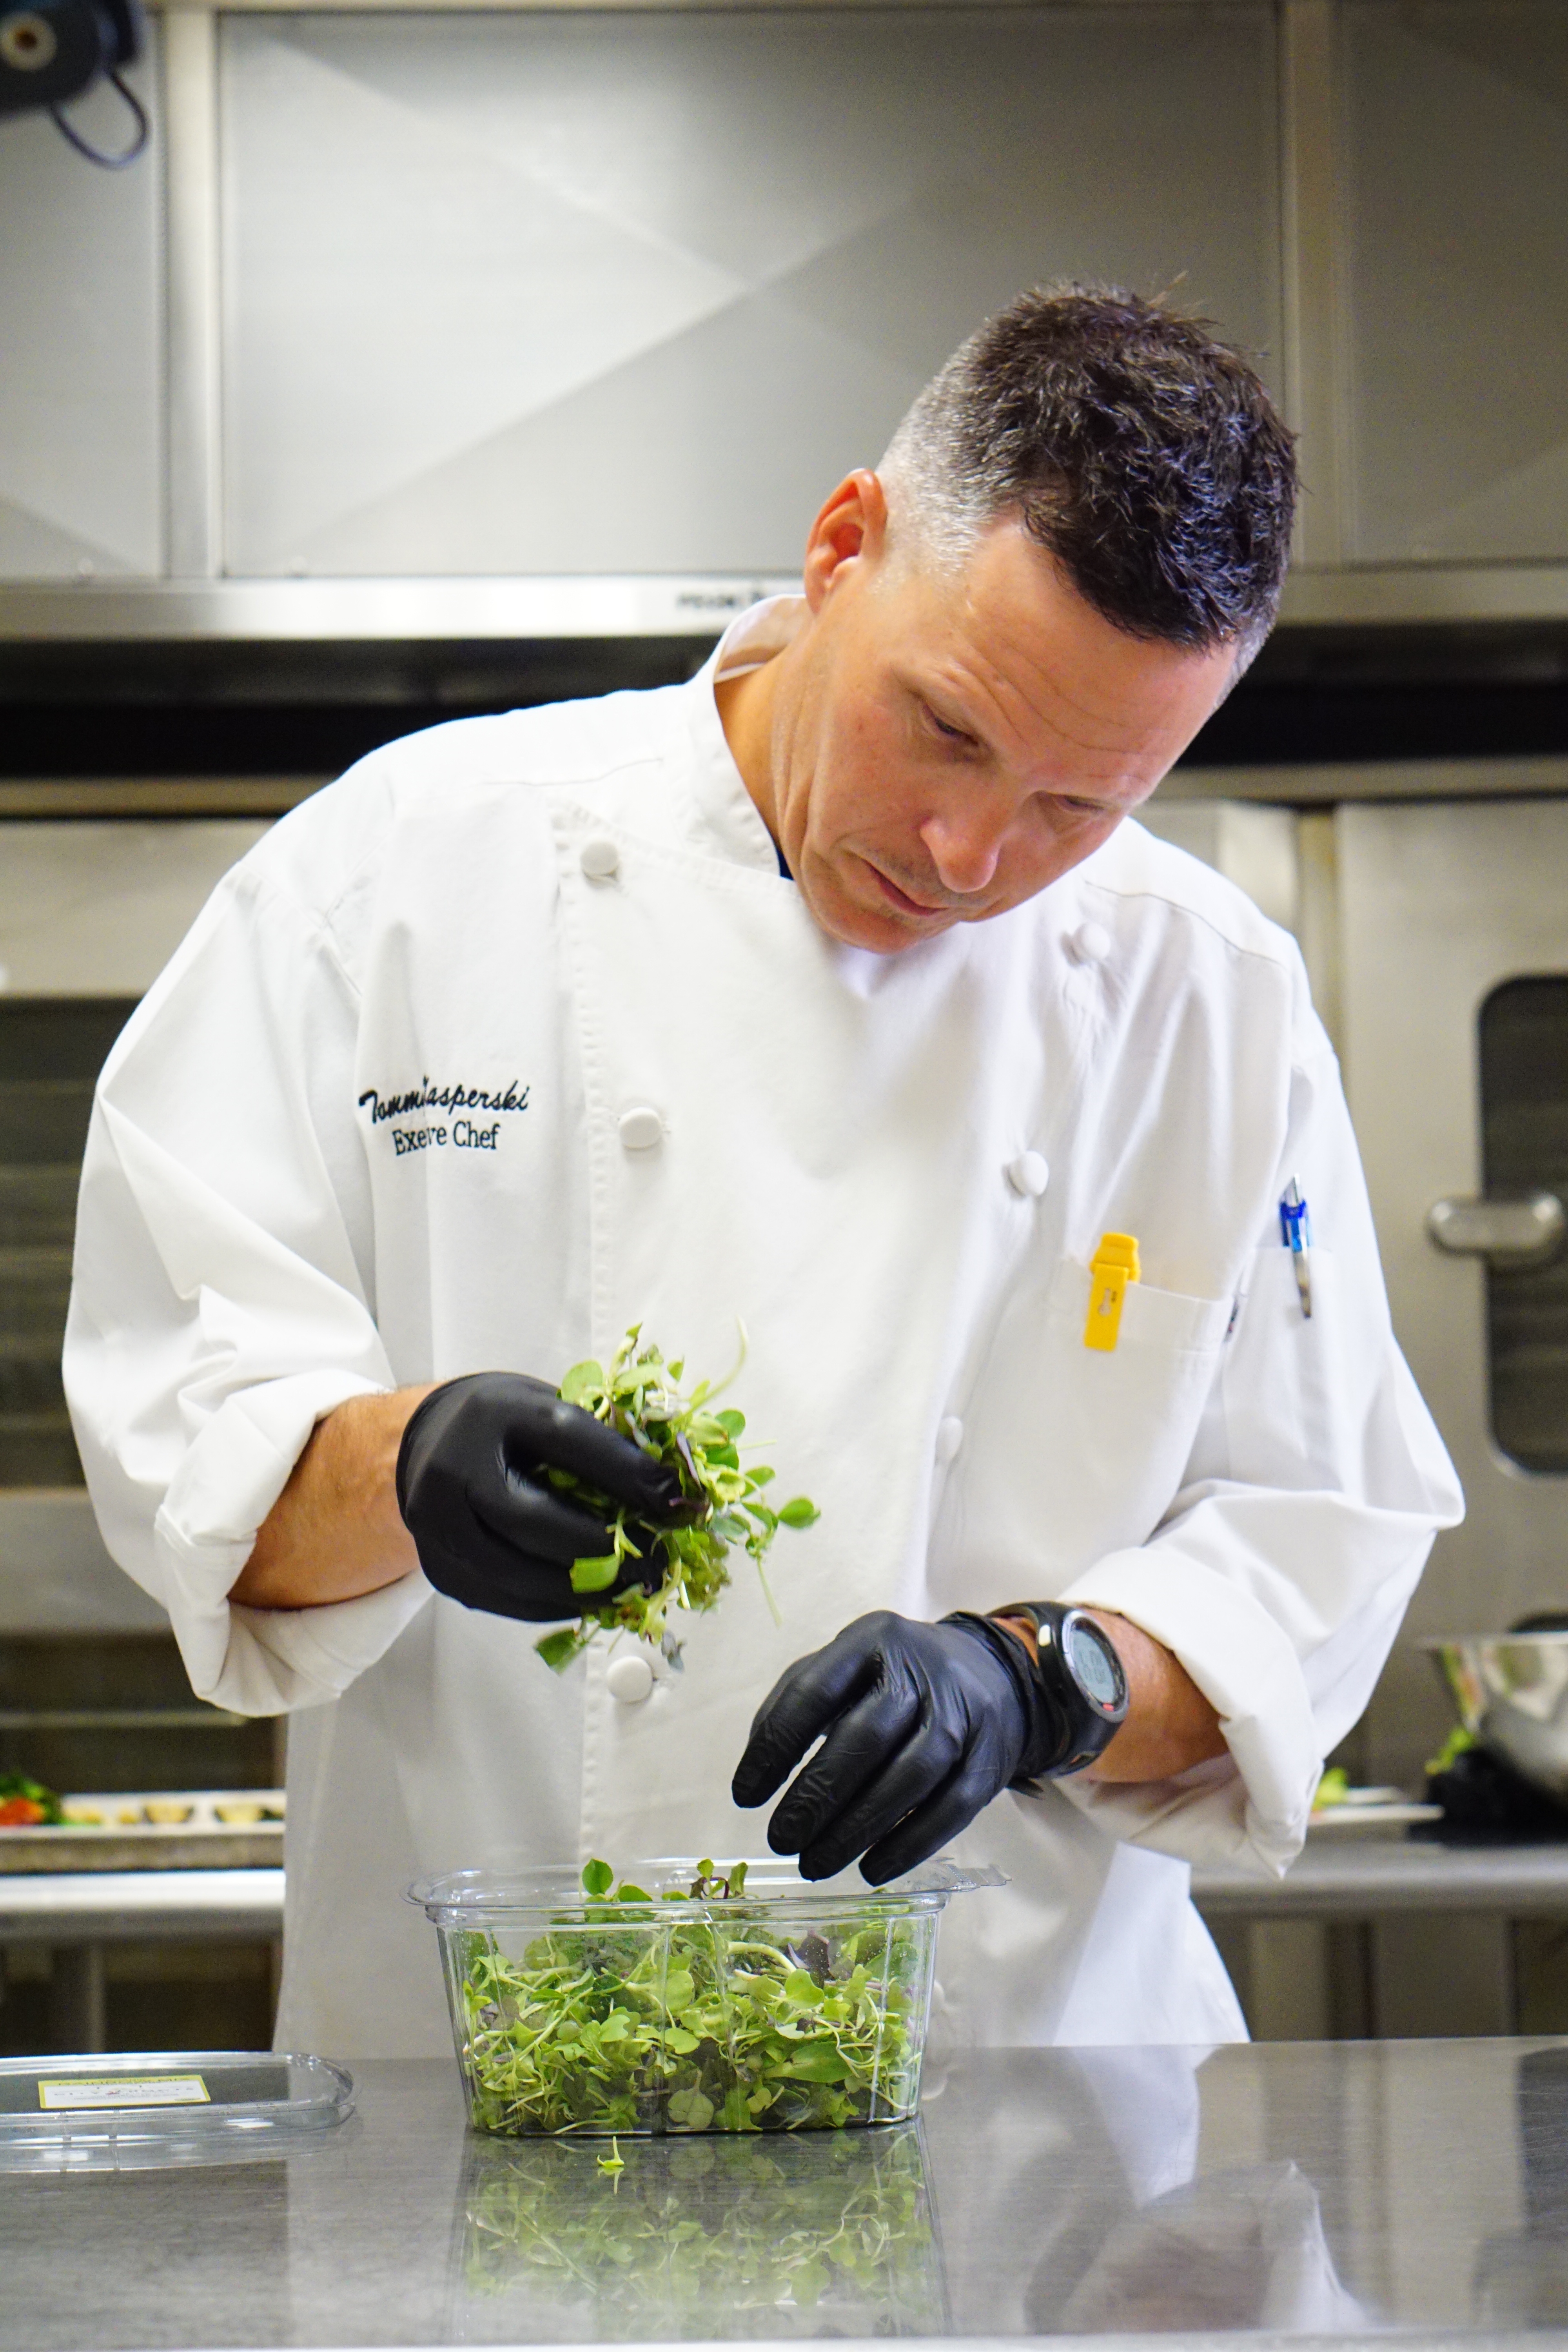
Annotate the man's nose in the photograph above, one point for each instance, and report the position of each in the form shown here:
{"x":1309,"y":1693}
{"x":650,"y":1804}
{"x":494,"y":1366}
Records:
{"x":964,"y":846}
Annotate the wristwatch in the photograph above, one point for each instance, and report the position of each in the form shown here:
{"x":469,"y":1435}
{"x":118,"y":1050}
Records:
{"x":1080,"y":1678}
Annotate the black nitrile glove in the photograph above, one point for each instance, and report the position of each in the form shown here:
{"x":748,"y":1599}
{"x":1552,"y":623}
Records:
{"x":924,"y":1724}
{"x":492,"y":1533}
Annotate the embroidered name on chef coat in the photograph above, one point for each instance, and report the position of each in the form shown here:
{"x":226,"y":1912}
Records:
{"x":462,"y":1129}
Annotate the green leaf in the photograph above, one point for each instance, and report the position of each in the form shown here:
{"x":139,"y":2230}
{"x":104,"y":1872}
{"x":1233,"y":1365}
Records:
{"x":737,"y":1877}
{"x":583,"y":1379}
{"x":628,"y":1892}
{"x":681,"y":2041}
{"x":800,"y":1513}
{"x":807,"y":2282}
{"x":730,"y":1419}
{"x":594,"y":1575}
{"x":800,"y":1987}
{"x":560,"y":1648}
{"x":818,"y":2062}
{"x":597,"y":1877}
{"x":690,"y":2108}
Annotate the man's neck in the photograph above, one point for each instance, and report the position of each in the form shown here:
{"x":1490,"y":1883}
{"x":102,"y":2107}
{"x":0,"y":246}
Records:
{"x":746,"y":715}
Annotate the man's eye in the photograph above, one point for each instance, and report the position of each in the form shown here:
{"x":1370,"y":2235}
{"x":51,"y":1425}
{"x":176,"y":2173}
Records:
{"x":948,"y":733}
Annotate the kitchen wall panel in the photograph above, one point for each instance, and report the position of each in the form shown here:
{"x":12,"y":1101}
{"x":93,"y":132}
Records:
{"x":80,"y":377}
{"x":610,"y":293}
{"x":1456,"y":192}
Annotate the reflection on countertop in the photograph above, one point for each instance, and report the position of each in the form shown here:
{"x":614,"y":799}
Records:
{"x":1295,"y":2189}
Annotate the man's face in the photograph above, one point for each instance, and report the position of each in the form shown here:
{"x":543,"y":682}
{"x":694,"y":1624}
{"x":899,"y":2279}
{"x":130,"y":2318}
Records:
{"x":940,"y":747}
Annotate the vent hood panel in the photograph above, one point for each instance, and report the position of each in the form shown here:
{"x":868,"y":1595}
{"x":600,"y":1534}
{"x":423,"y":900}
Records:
{"x":611,"y":293}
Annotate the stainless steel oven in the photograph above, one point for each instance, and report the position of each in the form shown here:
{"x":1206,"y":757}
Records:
{"x":1454,"y":971}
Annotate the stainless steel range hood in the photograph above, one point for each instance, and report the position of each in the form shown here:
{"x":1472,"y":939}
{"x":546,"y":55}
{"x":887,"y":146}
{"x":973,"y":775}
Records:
{"x":433,"y":323}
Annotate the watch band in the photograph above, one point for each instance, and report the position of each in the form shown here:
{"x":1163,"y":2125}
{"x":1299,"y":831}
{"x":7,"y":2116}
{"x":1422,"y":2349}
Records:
{"x":1089,"y":1717}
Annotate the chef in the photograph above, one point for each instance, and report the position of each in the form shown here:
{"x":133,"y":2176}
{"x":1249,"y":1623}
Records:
{"x":837,"y":995}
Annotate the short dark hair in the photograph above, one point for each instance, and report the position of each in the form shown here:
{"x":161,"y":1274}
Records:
{"x":1136,"y":447}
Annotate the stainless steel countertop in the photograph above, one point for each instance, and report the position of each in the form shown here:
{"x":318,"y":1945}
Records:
{"x":1289,"y":2190}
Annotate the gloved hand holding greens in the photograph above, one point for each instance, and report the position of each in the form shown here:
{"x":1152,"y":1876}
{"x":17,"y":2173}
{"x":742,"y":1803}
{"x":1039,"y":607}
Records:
{"x":640,"y":1397}
{"x":723,"y":2016}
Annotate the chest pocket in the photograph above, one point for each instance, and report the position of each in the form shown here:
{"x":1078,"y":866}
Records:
{"x":1119,"y":1423}
{"x":1078,"y":1451}
{"x":1071,"y":1452}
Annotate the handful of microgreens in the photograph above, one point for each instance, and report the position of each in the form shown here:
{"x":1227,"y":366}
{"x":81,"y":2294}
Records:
{"x":641,"y":1397}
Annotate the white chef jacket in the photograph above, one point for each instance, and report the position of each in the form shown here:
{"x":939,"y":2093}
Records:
{"x":367,"y":1129}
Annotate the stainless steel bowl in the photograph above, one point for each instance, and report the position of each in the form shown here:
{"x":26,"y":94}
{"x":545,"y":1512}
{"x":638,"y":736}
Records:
{"x":1512,"y":1691}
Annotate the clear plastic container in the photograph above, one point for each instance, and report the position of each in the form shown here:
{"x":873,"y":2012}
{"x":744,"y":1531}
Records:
{"x":785,"y":2008}
{"x":163,"y":2107}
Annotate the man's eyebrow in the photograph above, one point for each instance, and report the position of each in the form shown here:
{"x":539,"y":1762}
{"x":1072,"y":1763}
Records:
{"x":939,"y":701}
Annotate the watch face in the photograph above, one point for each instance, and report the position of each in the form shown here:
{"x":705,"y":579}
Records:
{"x":1089,"y":1658}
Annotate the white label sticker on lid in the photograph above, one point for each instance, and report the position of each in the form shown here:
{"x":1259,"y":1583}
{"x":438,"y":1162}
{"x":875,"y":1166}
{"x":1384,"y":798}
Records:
{"x":124,"y":2091}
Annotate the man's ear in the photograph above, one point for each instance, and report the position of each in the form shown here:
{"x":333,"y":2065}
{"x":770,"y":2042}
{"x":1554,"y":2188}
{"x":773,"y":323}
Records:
{"x":851,"y":530}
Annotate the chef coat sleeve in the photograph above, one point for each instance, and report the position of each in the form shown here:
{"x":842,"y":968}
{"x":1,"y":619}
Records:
{"x":1281,"y":1571}
{"x":221,"y":1299}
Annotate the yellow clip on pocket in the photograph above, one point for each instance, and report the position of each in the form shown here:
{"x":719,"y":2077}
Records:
{"x":1113,"y":1266}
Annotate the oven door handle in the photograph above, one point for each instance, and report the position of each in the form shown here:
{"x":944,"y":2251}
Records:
{"x":1505,"y":1233}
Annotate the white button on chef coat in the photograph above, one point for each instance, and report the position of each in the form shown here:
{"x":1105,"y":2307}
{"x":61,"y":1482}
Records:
{"x":641,"y":1128}
{"x":628,"y":1678}
{"x":949,"y":1438}
{"x":600,"y":858}
{"x":1090,"y":943}
{"x":1028,"y":1175}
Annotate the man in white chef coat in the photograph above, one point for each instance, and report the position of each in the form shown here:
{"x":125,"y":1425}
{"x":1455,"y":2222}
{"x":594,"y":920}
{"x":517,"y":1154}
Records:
{"x":834,"y":993}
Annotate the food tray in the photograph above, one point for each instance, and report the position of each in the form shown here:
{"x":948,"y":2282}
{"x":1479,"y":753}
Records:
{"x":1339,"y":1821}
{"x":191,"y":2106}
{"x":1370,"y":1812}
{"x":125,"y":1838}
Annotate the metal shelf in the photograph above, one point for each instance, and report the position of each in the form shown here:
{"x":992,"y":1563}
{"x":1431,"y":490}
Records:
{"x":542,"y":611}
{"x":302,"y":611}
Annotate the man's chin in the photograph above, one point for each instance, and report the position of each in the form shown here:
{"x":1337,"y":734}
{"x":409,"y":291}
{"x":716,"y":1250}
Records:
{"x":879,"y":930}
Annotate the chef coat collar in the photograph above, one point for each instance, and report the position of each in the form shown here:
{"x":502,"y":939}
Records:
{"x":726,"y":816}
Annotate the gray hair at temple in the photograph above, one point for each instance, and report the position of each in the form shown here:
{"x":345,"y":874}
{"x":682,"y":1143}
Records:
{"x":1143,"y":454}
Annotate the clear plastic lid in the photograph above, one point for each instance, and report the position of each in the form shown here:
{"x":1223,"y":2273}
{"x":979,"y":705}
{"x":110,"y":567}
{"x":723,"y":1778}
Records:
{"x":184,"y":2105}
{"x":489,"y":1897}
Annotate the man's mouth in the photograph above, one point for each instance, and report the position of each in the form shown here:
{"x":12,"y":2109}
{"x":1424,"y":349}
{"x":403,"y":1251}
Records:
{"x":903,"y":903}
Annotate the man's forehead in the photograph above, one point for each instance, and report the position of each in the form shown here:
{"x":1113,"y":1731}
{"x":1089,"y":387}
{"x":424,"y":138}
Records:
{"x":1009,"y":636}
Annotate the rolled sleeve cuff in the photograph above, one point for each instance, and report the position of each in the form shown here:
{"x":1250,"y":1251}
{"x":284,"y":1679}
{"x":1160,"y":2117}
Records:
{"x":1256,"y":1810}
{"x":263,"y":1662}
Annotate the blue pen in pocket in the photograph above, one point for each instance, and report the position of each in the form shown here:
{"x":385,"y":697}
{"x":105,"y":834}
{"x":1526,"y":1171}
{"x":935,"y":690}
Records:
{"x":1296,"y":1233}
